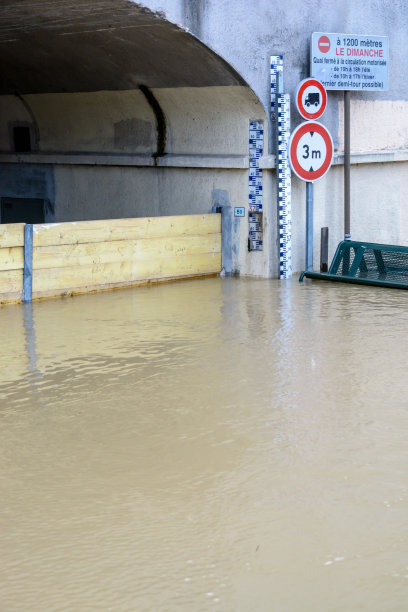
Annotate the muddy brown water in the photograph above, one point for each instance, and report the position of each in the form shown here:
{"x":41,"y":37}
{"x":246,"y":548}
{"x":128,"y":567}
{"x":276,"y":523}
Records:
{"x":222,"y":444}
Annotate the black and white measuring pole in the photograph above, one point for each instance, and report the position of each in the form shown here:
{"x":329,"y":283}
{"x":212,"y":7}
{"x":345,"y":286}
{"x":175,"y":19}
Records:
{"x":280,"y":114}
{"x":255,"y":187}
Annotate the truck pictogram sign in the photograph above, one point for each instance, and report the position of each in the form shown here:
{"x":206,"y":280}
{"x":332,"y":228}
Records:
{"x":311,"y":99}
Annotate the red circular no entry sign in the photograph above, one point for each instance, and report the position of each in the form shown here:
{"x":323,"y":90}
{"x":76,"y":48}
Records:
{"x":324,"y":44}
{"x":311,"y":99}
{"x":310,"y":151}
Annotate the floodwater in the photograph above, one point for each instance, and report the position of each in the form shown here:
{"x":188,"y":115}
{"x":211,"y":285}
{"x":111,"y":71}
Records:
{"x":222,"y":444}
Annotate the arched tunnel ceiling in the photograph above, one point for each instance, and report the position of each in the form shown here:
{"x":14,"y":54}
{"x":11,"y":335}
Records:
{"x":94,"y":45}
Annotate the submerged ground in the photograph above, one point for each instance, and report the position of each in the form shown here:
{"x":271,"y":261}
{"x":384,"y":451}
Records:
{"x":223,"y":444}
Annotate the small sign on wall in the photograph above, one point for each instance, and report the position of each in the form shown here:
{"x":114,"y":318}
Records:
{"x":239,"y":211}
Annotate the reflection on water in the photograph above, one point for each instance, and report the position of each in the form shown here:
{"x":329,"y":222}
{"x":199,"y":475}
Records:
{"x":216,"y":444}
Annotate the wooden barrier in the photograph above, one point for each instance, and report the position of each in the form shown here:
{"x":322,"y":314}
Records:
{"x":11,"y":262}
{"x":87,"y":256}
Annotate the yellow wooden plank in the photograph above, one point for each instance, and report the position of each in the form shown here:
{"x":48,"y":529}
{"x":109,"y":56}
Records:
{"x":62,"y":279}
{"x":11,"y":281}
{"x":11,"y":234}
{"x":11,"y":298}
{"x":123,"y":250}
{"x":40,"y":295}
{"x":11,"y":258}
{"x":108,"y":230}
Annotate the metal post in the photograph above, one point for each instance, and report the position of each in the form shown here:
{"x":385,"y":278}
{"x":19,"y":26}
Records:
{"x":347,"y":232}
{"x":226,"y":236}
{"x":324,"y":249}
{"x":226,"y":232}
{"x":30,"y":341}
{"x":28,"y":263}
{"x":309,"y":227}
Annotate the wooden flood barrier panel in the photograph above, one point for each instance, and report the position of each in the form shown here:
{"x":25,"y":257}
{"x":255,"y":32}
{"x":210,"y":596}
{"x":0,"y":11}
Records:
{"x":11,"y":262}
{"x":88,"y":256}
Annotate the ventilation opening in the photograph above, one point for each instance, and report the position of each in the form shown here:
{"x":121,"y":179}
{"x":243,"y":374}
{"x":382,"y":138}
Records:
{"x":22,"y":139}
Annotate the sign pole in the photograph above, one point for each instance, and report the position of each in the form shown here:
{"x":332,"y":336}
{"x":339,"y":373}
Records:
{"x":347,"y":234}
{"x":309,"y":227}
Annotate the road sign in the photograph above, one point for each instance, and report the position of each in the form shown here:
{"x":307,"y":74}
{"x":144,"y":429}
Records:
{"x":311,"y":99}
{"x":349,"y":61}
{"x":324,"y":44}
{"x":310,"y":151}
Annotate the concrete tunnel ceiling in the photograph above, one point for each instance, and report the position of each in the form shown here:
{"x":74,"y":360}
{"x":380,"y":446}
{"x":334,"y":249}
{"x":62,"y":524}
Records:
{"x":61,"y":46}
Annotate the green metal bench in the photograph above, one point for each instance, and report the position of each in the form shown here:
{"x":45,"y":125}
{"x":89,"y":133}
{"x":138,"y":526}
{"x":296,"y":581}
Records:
{"x":367,"y":263}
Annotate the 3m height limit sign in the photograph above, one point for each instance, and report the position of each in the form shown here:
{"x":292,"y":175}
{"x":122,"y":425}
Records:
{"x":350,"y":62}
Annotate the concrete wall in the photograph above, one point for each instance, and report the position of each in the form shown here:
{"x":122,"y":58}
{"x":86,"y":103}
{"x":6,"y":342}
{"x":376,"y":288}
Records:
{"x":112,"y":191}
{"x":198,"y":120}
{"x":27,"y":180}
{"x":375,"y":124}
